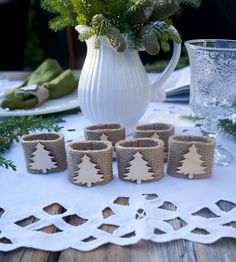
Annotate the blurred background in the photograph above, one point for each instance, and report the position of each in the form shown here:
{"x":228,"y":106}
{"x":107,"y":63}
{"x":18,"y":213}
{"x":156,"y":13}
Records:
{"x":26,"y":41}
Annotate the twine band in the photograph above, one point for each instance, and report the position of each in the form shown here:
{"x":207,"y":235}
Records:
{"x":106,"y":132}
{"x":99,"y":153}
{"x":179,"y":146}
{"x":53,"y":142}
{"x":162,"y":130}
{"x":151,"y":151}
{"x":114,"y":132}
{"x":40,"y":92}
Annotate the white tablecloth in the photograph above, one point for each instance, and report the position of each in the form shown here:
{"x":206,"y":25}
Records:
{"x":24,"y":195}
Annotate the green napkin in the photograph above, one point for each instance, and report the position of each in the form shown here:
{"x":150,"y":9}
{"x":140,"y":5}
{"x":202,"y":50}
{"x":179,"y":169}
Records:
{"x":62,"y":85}
{"x":49,"y":75}
{"x":19,"y":101}
{"x":47,"y":71}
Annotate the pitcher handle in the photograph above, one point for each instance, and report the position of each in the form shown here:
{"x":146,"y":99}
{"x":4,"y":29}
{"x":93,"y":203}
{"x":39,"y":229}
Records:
{"x":157,"y":92}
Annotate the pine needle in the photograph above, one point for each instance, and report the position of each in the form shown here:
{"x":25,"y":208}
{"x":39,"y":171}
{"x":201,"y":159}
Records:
{"x":121,"y":17}
{"x":226,"y":125}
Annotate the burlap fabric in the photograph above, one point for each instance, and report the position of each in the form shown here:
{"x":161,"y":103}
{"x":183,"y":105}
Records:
{"x":163,"y":130}
{"x":151,"y":150}
{"x":114,"y":132}
{"x":180,"y":145}
{"x":53,"y":142}
{"x":40,"y":92}
{"x":99,"y":152}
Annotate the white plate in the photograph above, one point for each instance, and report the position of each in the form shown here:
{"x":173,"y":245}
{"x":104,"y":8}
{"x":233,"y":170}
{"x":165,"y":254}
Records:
{"x":51,"y":106}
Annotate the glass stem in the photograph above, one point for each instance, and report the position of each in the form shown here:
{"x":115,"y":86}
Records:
{"x":209,"y":127}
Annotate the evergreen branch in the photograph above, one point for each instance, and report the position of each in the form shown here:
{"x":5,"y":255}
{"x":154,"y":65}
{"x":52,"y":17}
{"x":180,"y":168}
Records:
{"x":226,"y":125}
{"x":174,"y":35}
{"x":121,"y":17}
{"x":193,"y":3}
{"x":192,"y":118}
{"x":11,"y":129}
{"x":66,"y":15}
{"x":7,"y":163}
{"x":86,"y":34}
{"x":58,"y":23}
{"x":164,"y":9}
{"x":164,"y":32}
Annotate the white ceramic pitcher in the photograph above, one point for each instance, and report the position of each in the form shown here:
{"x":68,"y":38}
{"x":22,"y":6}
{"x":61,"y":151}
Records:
{"x":114,"y":87}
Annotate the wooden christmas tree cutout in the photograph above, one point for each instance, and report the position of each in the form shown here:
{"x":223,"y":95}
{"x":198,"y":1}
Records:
{"x":192,"y":165}
{"x":138,"y":170}
{"x":87,"y":173}
{"x":105,"y":138}
{"x":155,"y":136}
{"x":42,"y":160}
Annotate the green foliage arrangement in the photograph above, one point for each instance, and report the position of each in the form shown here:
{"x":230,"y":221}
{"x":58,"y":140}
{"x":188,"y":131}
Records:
{"x":11,"y":129}
{"x":133,"y":23}
{"x":228,"y":126}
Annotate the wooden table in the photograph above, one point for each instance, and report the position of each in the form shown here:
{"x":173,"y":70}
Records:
{"x":223,"y":250}
{"x":180,"y":250}
{"x":174,"y":251}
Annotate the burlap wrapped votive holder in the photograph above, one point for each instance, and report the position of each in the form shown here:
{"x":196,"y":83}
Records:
{"x":190,"y":156}
{"x":156,"y":130}
{"x":90,"y":163}
{"x":140,"y":160}
{"x":105,"y":132}
{"x":44,"y":152}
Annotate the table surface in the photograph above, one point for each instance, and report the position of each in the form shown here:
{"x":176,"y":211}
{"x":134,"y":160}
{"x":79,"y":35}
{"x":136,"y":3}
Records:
{"x":179,"y":250}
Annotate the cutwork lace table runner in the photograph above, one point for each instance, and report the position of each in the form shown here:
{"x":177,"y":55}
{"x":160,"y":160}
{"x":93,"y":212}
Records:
{"x":145,"y":211}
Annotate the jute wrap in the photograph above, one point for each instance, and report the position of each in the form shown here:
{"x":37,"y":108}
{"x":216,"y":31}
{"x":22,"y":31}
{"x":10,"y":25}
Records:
{"x":163,"y":130}
{"x":180,"y":145}
{"x":151,"y":150}
{"x":99,"y":152}
{"x":53,"y":142}
{"x":114,"y":133}
{"x":40,"y":92}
